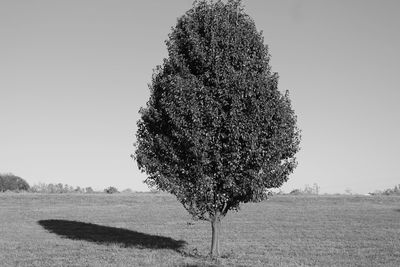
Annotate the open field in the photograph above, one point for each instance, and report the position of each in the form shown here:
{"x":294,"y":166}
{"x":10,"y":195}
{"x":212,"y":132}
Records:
{"x":145,"y":229}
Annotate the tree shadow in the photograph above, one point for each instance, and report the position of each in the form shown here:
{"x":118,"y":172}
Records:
{"x":109,"y":235}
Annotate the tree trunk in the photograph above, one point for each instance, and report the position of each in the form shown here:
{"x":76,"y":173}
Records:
{"x":216,"y":228}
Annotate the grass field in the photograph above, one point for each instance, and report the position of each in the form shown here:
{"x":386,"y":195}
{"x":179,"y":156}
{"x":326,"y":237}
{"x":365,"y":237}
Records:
{"x":145,"y":229}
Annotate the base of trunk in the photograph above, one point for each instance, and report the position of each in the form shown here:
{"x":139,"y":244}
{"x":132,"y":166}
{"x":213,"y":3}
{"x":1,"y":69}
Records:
{"x":216,"y":228}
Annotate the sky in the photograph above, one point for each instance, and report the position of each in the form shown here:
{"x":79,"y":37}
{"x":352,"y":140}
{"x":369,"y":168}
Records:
{"x":74,"y":74}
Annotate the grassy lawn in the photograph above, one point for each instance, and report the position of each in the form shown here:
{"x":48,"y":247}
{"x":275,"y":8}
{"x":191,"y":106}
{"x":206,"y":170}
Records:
{"x":146,"y":229}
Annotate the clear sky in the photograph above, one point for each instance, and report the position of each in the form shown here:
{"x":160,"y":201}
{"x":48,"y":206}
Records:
{"x":73,"y":75}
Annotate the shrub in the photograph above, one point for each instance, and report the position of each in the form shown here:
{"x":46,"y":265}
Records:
{"x":308,"y":190}
{"x":295,"y":192}
{"x":78,"y":189}
{"x":111,"y":190}
{"x":10,"y":182}
{"x":89,"y":190}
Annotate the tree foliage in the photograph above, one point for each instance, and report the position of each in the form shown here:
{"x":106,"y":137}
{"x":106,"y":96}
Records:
{"x":216,"y":131}
{"x":11,"y":182}
{"x":111,"y":190}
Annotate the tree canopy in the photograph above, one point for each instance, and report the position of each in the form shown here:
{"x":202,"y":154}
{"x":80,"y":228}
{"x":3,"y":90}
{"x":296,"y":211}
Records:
{"x":216,"y":130}
{"x":11,"y":182}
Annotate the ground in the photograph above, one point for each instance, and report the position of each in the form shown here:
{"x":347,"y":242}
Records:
{"x":147,"y":229}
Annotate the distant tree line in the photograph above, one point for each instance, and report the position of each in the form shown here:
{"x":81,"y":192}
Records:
{"x":388,"y":192}
{"x":12,"y":183}
{"x":59,"y":189}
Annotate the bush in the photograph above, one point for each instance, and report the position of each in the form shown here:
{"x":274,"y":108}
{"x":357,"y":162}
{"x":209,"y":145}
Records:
{"x":78,"y":189}
{"x":295,"y":192}
{"x":89,"y":190}
{"x":111,"y":190}
{"x":10,"y":182}
{"x":308,"y":190}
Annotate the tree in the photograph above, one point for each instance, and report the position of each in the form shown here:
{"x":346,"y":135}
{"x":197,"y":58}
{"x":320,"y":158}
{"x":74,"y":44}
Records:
{"x":89,"y":190}
{"x":9,"y":181}
{"x":111,"y":190}
{"x":216,"y":131}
